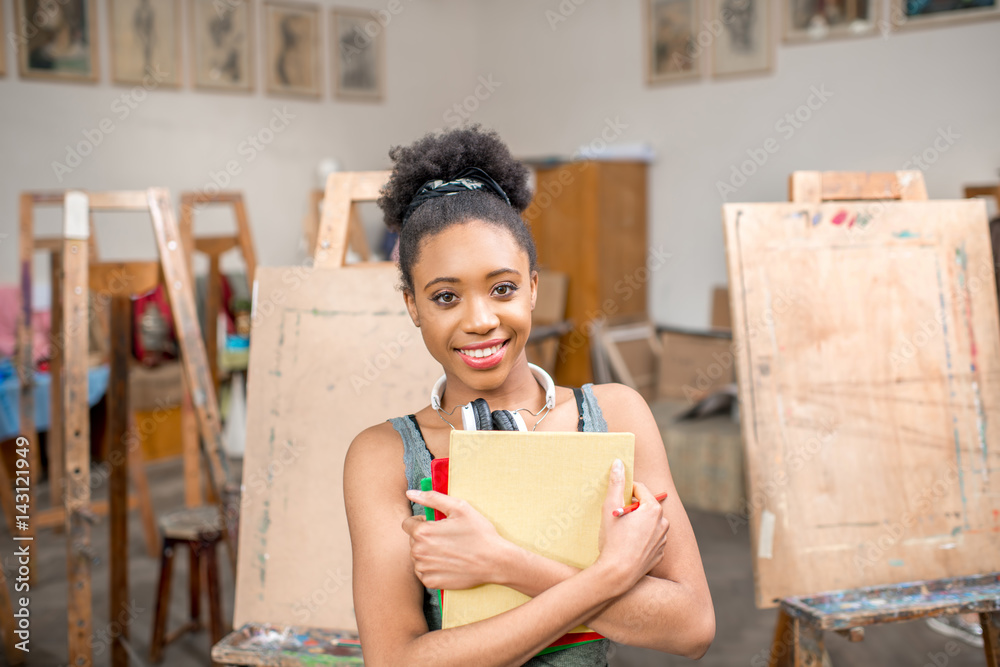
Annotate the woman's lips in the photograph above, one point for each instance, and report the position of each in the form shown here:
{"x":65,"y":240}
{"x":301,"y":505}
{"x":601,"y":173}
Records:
{"x":488,"y":360}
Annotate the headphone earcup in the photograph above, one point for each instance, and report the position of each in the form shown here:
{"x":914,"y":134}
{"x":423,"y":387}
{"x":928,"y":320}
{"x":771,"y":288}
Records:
{"x":481,"y":413}
{"x":503,"y":420}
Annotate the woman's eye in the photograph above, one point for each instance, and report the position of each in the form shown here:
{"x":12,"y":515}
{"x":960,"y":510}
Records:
{"x":445,"y":297}
{"x":505,"y":289}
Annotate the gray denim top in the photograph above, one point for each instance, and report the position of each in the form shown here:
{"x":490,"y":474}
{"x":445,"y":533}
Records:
{"x":418,"y":466}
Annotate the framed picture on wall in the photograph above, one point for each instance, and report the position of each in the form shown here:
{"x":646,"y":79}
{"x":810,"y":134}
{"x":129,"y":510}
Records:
{"x":3,"y":48}
{"x":672,"y":49}
{"x":744,"y":46}
{"x":813,"y":20}
{"x":221,"y":45}
{"x":358,"y":56}
{"x":292,"y":49}
{"x":916,"y":13}
{"x":145,"y":42}
{"x":63,"y":46}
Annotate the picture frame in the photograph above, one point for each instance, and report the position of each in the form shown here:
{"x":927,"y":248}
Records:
{"x":64,"y":44}
{"x":818,"y":20}
{"x":3,"y":48}
{"x":222,"y":45}
{"x":292,"y":49}
{"x":746,"y":44}
{"x":145,"y":42}
{"x":907,"y":14}
{"x":672,"y":51}
{"x":358,"y":42}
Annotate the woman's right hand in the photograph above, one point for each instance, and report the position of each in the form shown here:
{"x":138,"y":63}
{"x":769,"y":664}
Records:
{"x":631,"y":545}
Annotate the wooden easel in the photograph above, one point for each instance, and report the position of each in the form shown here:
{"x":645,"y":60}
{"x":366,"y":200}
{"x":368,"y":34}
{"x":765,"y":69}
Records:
{"x":788,"y":387}
{"x":174,"y":271}
{"x":984,"y":191}
{"x":54,"y":516}
{"x":284,"y":562}
{"x":355,"y":230}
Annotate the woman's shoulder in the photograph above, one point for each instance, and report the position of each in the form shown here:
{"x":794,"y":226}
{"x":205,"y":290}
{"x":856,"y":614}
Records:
{"x":620,"y":404}
{"x":379,"y":440}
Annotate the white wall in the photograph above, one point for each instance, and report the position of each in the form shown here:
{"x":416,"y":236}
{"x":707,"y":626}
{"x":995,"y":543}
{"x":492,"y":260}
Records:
{"x":179,"y":138}
{"x":889,"y":99}
{"x":557,"y":89}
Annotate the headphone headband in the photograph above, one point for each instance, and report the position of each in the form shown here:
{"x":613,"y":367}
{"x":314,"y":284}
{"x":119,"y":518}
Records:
{"x":541,"y":377}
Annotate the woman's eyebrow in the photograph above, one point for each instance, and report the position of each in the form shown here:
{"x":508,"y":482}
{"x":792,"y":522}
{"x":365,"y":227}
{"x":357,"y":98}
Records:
{"x":442,"y":279}
{"x":491,"y":274}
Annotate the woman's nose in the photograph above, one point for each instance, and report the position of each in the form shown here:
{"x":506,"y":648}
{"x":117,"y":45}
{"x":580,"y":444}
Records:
{"x":479,"y":316}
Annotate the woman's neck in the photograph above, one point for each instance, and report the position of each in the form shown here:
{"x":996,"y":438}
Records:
{"x":520,"y":390}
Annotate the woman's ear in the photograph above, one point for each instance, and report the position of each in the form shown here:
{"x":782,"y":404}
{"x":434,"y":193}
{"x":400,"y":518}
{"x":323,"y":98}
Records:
{"x":411,"y":307}
{"x":534,"y":288}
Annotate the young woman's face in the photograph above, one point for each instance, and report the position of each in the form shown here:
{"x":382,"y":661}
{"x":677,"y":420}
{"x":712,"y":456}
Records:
{"x":473,"y":297}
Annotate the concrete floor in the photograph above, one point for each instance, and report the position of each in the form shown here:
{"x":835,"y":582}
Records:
{"x":743,"y":632}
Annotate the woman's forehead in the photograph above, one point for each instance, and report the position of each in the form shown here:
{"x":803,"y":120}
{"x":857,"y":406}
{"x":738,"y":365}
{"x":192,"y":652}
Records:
{"x":470,"y":250}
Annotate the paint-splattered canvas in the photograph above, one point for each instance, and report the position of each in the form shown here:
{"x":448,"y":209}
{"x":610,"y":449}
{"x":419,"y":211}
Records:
{"x":744,"y":44}
{"x":868,"y":356}
{"x":59,"y":40}
{"x":293,"y":49}
{"x":145,"y":42}
{"x":672,"y":48}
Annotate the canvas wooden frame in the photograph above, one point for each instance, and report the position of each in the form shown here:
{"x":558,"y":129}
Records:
{"x":176,"y":68}
{"x":271,"y":85}
{"x":25,"y":71}
{"x":766,"y":20}
{"x":338,"y":17}
{"x":201,"y":79}
{"x":649,"y":43}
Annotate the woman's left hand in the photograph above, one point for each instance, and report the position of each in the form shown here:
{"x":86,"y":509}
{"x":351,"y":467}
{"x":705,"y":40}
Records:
{"x":458,"y":552}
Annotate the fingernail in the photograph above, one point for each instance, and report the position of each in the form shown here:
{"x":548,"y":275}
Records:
{"x":412,"y":493}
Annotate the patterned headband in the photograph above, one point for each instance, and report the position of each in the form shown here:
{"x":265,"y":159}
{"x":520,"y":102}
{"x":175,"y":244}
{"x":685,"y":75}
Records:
{"x":471,"y":178}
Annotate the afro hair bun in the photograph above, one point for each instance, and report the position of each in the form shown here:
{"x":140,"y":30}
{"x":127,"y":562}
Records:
{"x":443,"y":156}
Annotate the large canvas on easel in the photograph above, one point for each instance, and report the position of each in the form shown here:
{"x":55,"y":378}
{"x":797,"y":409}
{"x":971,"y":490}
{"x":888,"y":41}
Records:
{"x":868,"y":356}
{"x":332,"y":353}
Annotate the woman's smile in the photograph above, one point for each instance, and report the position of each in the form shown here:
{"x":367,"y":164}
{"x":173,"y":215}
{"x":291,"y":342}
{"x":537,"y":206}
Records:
{"x":482,"y":356}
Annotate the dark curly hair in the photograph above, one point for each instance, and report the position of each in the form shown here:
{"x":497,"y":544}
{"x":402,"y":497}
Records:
{"x":443,"y":156}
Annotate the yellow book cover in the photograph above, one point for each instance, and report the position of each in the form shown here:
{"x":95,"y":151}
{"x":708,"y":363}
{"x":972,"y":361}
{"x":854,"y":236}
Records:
{"x":542,"y":491}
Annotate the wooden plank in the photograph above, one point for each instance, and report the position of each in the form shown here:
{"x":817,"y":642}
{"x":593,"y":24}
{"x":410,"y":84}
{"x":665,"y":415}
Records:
{"x":180,"y":290}
{"x":343,"y":189}
{"x":300,"y":422}
{"x":76,"y":428}
{"x":246,"y":239}
{"x":125,"y":200}
{"x":57,"y":450}
{"x":867,"y":366}
{"x":815,"y":187}
{"x":990,"y":622}
{"x":118,"y":431}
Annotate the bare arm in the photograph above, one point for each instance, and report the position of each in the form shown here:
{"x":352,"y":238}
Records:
{"x":388,"y":595}
{"x":670,"y":609}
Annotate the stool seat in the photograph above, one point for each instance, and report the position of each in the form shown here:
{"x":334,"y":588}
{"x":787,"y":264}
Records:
{"x":192,"y":523}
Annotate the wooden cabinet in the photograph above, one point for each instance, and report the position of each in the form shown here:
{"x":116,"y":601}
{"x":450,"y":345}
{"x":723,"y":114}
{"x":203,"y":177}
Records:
{"x":589,"y":221}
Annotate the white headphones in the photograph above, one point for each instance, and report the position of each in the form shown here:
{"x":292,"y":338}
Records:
{"x":476,"y":416}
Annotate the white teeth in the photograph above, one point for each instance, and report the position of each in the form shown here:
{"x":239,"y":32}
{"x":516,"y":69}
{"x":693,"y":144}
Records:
{"x":484,"y":352}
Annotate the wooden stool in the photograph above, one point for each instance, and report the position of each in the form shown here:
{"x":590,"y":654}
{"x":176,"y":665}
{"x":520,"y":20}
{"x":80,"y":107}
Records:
{"x":200,"y":529}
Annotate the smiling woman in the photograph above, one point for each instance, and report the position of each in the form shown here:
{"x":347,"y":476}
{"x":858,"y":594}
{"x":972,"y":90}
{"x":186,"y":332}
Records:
{"x":469,"y":281}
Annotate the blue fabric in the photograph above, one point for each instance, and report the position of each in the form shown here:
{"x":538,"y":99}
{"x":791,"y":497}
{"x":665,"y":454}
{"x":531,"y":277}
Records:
{"x":10,"y":418}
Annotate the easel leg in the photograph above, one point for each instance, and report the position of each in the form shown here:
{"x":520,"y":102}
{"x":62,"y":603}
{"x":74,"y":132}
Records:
{"x":781,"y":645}
{"x":7,"y":498}
{"x":808,"y":646}
{"x":991,"y":637}
{"x":189,"y":443}
{"x":137,"y":470}
{"x":118,"y":436}
{"x":55,"y":440}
